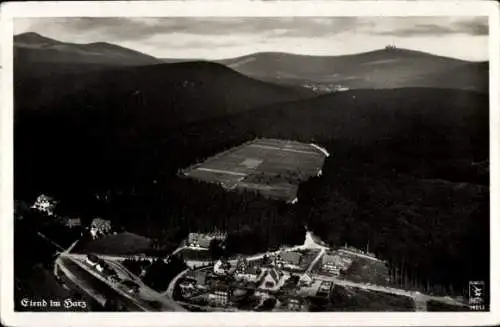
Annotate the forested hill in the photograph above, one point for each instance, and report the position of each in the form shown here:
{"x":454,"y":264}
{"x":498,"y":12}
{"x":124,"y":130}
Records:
{"x":32,"y":48}
{"x":174,"y":93}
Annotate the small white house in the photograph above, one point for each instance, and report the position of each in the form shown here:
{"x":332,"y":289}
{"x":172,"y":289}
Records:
{"x":224,"y":267}
{"x":273,"y":280}
{"x":100,"y":227}
{"x":44,"y":203}
{"x":306,"y":279}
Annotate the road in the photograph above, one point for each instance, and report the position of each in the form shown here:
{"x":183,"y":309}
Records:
{"x":171,"y":286}
{"x":122,"y":257}
{"x":361,"y":255}
{"x":96,"y":288}
{"x":144,"y":299}
{"x":418,"y":297}
{"x":103,"y":282}
{"x":74,"y":276}
{"x":315,"y":261}
{"x":60,"y":248}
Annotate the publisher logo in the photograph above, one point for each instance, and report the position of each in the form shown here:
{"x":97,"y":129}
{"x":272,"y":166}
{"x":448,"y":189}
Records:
{"x":476,"y":295}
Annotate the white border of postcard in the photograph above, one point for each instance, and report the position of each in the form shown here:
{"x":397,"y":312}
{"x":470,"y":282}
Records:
{"x":248,"y":9}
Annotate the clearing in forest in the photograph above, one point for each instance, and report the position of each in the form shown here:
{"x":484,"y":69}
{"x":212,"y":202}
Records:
{"x":273,"y":168}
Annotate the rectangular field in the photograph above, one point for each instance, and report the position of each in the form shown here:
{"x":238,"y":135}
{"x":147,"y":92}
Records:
{"x":274,"y":168}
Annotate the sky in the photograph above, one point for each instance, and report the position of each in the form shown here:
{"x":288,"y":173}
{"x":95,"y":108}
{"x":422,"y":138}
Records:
{"x":463,"y":37}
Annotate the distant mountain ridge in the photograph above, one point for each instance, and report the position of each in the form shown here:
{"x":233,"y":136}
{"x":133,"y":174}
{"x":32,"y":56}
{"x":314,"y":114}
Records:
{"x":33,"y":48}
{"x":378,"y":69}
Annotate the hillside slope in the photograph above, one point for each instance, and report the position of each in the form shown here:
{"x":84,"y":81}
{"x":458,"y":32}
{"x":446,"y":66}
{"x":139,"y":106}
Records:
{"x":32,"y":48}
{"x":167,"y":94}
{"x":387,"y":68}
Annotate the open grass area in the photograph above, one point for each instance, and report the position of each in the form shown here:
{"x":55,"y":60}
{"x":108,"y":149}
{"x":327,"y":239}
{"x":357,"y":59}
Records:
{"x":442,"y":307}
{"x":194,"y":254}
{"x":355,"y":299}
{"x":271,"y":167}
{"x":308,"y":257}
{"x":120,"y":244}
{"x":368,"y":271}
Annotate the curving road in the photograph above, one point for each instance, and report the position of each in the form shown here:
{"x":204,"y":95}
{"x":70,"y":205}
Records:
{"x":170,"y":289}
{"x":143,"y":299}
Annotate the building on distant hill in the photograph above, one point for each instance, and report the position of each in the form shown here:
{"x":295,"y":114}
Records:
{"x":45,"y":204}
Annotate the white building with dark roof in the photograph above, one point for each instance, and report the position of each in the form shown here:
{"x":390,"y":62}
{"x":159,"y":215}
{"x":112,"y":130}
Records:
{"x":100,"y":227}
{"x":306,"y":279}
{"x":273,"y":280}
{"x":45,"y":204}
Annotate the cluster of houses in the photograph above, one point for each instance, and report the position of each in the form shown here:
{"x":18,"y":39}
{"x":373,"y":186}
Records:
{"x":326,"y":88}
{"x":228,"y":282}
{"x":287,"y":280}
{"x":98,"y":228}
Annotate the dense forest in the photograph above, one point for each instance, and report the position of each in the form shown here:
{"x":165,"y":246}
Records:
{"x":408,"y":172}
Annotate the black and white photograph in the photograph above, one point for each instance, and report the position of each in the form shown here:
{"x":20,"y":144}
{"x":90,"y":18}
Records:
{"x":251,"y":163}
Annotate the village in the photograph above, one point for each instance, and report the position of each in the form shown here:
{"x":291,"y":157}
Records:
{"x":289,"y":279}
{"x":284,"y":280}
{"x":312,"y":276}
